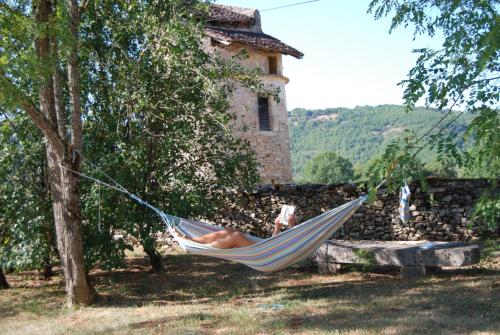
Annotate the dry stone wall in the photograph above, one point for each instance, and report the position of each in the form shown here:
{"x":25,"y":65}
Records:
{"x":442,"y":212}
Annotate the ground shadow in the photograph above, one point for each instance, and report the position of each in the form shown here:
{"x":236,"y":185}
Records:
{"x":185,"y":277}
{"x":372,"y":301}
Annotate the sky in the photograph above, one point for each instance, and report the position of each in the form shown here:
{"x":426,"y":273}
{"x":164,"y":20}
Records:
{"x":350,"y":58}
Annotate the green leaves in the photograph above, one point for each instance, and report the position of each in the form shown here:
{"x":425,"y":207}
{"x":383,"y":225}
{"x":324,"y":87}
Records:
{"x":483,"y":158}
{"x":155,"y":112}
{"x":464,"y":73}
{"x":396,"y":165}
{"x":158,"y":118}
{"x":315,"y":131}
{"x":487,"y":210}
{"x":26,"y":226}
{"x":328,"y":168}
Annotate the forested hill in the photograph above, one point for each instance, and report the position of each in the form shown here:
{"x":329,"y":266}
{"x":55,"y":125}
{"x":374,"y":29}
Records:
{"x":357,"y":134}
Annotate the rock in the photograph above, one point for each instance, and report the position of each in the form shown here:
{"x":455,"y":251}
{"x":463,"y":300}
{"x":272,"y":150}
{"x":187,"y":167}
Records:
{"x":448,"y":227}
{"x":447,"y":198}
{"x":444,"y":212}
{"x":436,"y":190}
{"x":350,"y":188}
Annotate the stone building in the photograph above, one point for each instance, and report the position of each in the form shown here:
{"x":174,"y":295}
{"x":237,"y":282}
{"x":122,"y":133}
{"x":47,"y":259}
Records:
{"x":260,"y":119}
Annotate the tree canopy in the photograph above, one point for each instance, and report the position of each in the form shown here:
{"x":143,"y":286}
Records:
{"x":463,"y":74}
{"x":328,"y":168}
{"x":158,"y":117}
{"x":26,"y":224}
{"x":332,"y":129}
{"x":129,"y":86}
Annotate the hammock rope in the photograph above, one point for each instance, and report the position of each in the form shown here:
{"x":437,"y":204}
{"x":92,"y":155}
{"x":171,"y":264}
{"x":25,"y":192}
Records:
{"x":270,"y":254}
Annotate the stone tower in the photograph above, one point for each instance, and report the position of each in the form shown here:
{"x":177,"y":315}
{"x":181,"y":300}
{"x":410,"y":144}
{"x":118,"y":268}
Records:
{"x":260,"y":119}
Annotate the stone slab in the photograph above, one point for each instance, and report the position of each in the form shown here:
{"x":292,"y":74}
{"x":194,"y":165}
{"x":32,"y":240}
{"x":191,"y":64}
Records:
{"x":327,"y":268}
{"x":413,"y":271}
{"x":399,"y":253}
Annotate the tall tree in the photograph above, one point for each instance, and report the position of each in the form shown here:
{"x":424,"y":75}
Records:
{"x":160,"y":115}
{"x":42,"y":24}
{"x":155,"y":106}
{"x":463,"y":74}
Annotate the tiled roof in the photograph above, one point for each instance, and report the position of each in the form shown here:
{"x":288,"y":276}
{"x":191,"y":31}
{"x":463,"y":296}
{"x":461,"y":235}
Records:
{"x":257,"y":40}
{"x":231,"y":14}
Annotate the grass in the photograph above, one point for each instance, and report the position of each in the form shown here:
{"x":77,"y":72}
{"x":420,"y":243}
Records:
{"x":200,"y":295}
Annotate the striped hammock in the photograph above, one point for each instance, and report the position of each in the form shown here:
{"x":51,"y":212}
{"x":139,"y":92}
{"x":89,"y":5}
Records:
{"x":270,"y":254}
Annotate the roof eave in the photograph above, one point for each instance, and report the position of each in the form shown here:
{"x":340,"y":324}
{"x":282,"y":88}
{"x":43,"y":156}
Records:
{"x":286,"y":50}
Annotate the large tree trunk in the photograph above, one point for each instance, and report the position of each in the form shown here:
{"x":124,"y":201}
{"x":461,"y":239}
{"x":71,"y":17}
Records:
{"x":3,"y":281}
{"x":66,"y":206}
{"x":64,"y":184}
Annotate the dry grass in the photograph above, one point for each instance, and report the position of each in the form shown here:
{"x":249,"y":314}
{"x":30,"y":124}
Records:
{"x":199,"y":295}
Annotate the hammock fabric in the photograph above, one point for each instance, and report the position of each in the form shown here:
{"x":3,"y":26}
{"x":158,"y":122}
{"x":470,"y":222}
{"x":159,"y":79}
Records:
{"x":274,"y":253}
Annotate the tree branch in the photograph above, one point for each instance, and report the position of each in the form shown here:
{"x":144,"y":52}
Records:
{"x":74,"y":79}
{"x":12,"y":10}
{"x":32,"y":110}
{"x":9,"y":121}
{"x":83,"y":7}
{"x":486,"y":79}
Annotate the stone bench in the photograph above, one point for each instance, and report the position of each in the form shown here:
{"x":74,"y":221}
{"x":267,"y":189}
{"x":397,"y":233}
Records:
{"x":415,"y":258}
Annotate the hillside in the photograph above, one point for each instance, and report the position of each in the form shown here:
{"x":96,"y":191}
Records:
{"x":357,"y":134}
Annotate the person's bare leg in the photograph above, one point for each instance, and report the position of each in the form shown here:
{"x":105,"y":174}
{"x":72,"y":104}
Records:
{"x":211,"y":237}
{"x":233,"y":240}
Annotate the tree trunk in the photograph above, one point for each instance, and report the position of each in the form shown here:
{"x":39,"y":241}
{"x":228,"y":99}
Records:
{"x":154,"y":259}
{"x":48,"y":226}
{"x":64,"y":184}
{"x":74,"y":81}
{"x":3,"y":281}
{"x":66,"y":206}
{"x":48,"y":272}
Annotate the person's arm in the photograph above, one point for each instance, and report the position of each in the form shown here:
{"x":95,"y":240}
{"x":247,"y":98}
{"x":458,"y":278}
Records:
{"x":292,"y":220}
{"x":278,"y":225}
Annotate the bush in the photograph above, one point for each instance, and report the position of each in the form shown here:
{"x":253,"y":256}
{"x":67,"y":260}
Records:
{"x":328,"y":168}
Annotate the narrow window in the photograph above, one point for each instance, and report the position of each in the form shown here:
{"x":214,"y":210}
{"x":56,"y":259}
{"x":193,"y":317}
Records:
{"x":264,"y":123}
{"x":273,"y":65}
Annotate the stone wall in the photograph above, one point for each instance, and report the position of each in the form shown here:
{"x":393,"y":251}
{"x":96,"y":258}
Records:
{"x":441,"y":213}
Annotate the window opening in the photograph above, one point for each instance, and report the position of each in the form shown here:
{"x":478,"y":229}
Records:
{"x":264,"y":121}
{"x":273,"y":65}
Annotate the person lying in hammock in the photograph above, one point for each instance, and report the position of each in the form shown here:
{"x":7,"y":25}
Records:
{"x":231,"y":238}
